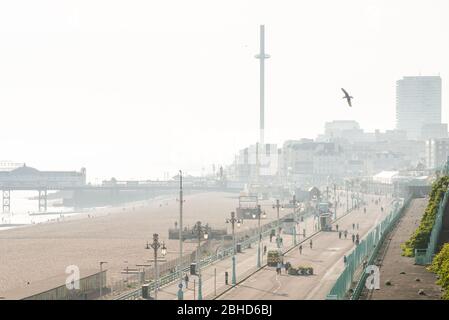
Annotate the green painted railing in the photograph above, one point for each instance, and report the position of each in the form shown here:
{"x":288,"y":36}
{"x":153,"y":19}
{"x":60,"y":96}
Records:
{"x":425,"y":256}
{"x":364,"y":252}
{"x":171,"y":277}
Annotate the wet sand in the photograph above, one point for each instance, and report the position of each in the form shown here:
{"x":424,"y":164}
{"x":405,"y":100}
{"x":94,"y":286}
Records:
{"x":116,"y":235}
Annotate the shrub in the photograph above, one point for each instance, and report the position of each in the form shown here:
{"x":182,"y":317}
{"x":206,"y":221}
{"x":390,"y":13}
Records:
{"x":440,"y":266}
{"x":421,"y":236}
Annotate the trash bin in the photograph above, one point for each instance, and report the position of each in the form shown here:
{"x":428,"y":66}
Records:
{"x":239,"y":247}
{"x":193,"y":268}
{"x":145,"y":291}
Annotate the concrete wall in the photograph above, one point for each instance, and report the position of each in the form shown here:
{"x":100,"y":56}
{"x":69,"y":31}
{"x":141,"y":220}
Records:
{"x":88,"y":286}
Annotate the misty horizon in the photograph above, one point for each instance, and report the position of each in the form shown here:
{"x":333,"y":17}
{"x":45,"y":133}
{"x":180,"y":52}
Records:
{"x":135,"y":91}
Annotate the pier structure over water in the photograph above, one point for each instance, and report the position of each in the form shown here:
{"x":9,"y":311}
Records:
{"x":110,"y":192}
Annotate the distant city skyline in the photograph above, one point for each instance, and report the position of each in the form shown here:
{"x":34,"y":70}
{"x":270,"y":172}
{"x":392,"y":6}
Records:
{"x":119,"y":88}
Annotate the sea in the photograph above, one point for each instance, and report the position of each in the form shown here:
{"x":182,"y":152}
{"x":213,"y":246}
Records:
{"x":24,"y":210}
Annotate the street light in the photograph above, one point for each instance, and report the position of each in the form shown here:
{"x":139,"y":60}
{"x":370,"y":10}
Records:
{"x":278,"y":206}
{"x":258,"y":215}
{"x":163,"y":249}
{"x":181,"y":201}
{"x":155,"y":246}
{"x":294,"y":203}
{"x":335,"y":201}
{"x":101,"y":277}
{"x":352,"y":201}
{"x":347,"y":196}
{"x":201,"y":232}
{"x":232,"y":221}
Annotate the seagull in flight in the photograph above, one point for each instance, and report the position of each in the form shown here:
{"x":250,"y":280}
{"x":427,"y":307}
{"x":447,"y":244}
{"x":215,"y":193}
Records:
{"x":347,"y":96}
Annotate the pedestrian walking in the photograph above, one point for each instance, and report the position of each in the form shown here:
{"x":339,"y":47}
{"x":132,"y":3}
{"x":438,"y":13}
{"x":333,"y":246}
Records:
{"x":278,"y":268}
{"x":353,"y":238}
{"x":186,"y":280}
{"x":353,"y":226}
{"x":336,"y":227}
{"x":300,"y":249}
{"x":346,"y":234}
{"x":226,"y":277}
{"x":339,"y":235}
{"x":357,"y":237}
{"x":264,"y":249}
{"x":287,"y":266}
{"x":310,"y":243}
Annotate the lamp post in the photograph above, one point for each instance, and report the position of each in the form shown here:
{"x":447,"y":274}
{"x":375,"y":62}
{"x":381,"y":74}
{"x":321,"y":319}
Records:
{"x":155,"y":246}
{"x":278,"y":231}
{"x":352,"y":201}
{"x":347,"y":197}
{"x":181,"y":201}
{"x":258,"y":215}
{"x":294,"y":202}
{"x":233,"y":221}
{"x":101,"y":277}
{"x":201,"y":232}
{"x":335,"y":202}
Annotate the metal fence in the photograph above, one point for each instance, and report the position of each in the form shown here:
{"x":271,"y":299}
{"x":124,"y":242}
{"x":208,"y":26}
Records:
{"x":425,"y":256}
{"x":245,"y":239}
{"x":364,"y":252}
{"x":168,"y":271}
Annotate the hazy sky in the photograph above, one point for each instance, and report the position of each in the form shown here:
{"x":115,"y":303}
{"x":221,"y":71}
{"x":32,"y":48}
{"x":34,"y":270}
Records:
{"x":136,"y":88}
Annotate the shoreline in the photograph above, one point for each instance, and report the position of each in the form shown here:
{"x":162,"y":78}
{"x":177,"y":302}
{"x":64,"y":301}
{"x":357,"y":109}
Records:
{"x":84,"y":213}
{"x":117,"y":235}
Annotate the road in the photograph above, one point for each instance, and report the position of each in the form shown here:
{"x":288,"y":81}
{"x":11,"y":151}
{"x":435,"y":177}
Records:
{"x":246,"y":261}
{"x":326,"y":258}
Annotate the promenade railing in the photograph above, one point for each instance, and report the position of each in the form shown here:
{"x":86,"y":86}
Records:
{"x":247,"y":239}
{"x":425,"y":256}
{"x":364,"y":252}
{"x":244,"y":239}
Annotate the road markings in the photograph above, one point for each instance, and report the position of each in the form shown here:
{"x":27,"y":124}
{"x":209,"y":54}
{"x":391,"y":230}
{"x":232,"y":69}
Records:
{"x":279,"y":284}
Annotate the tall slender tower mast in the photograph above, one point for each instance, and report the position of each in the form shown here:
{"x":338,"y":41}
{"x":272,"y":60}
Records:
{"x":262,"y":56}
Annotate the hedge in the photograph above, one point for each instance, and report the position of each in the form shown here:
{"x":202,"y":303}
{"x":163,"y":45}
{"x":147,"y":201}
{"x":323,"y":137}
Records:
{"x":421,"y":236}
{"x":440,"y":266}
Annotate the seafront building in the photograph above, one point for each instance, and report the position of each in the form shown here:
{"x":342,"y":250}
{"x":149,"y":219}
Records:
{"x":437,"y":151}
{"x":418,"y":106}
{"x":343,"y":151}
